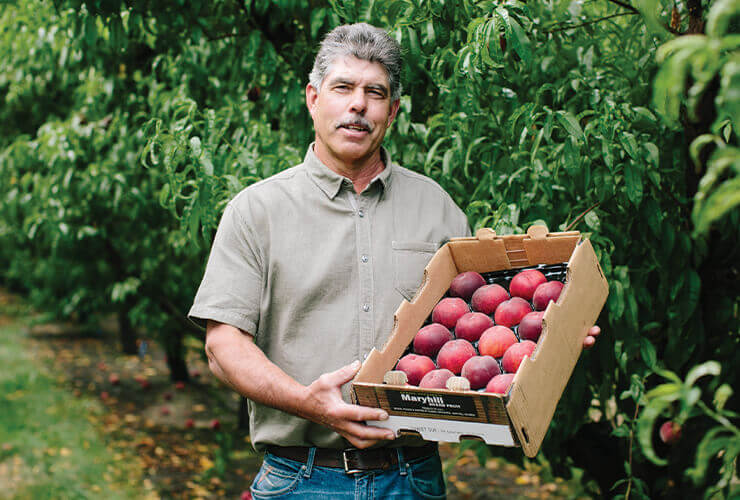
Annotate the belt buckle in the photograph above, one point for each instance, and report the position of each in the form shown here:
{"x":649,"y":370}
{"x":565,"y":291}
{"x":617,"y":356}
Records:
{"x":347,"y":470}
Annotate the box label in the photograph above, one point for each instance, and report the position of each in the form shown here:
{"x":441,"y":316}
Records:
{"x":440,"y":404}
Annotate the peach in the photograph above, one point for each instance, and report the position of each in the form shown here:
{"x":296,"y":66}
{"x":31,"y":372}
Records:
{"x":515,"y":354}
{"x":449,"y":310}
{"x":479,"y":370}
{"x":530,"y":328}
{"x":500,"y":383}
{"x":436,"y":379}
{"x":545,"y":293}
{"x":525,"y":283}
{"x":487,"y":298}
{"x":430,"y":339}
{"x":415,"y":367}
{"x":511,"y":312}
{"x":496,"y":340}
{"x":470,"y":326}
{"x":454,"y":354}
{"x":670,"y":432}
{"x":465,"y":284}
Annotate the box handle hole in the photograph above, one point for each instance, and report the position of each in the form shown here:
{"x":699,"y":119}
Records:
{"x":524,"y":433}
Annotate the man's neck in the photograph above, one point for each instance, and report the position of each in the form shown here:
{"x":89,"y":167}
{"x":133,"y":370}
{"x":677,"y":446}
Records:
{"x":360,"y":173}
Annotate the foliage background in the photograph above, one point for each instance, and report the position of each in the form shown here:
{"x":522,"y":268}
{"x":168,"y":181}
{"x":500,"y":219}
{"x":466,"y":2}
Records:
{"x":126,"y":126}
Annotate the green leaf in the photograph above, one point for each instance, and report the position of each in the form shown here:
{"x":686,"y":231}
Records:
{"x":630,"y":145}
{"x":520,"y":41}
{"x":707,"y":368}
{"x":648,"y":353}
{"x":720,"y":202}
{"x":721,"y":396}
{"x":570,"y":123}
{"x":633,"y":183}
{"x":720,"y":17}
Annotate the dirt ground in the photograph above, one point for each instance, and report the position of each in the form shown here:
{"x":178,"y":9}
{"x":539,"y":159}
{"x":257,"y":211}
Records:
{"x":185,"y":436}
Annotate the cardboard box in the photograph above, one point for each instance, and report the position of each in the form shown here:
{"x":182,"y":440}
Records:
{"x":523,"y":416}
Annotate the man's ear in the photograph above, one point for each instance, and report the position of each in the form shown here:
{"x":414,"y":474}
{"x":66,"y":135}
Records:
{"x":394,"y":111}
{"x":311,"y":97}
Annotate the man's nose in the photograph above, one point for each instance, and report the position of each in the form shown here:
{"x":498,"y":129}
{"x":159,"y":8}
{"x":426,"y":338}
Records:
{"x":358,"y":103}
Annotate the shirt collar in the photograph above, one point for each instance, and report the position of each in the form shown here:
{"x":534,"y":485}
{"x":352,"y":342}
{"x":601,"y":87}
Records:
{"x":330,"y":182}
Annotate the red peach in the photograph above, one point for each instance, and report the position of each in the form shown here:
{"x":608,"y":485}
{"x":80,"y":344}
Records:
{"x":415,"y":367}
{"x":145,"y":384}
{"x":545,"y":293}
{"x":215,"y":424}
{"x":496,"y":340}
{"x":530,"y":328}
{"x":454,"y":354}
{"x":479,"y":370}
{"x":525,"y":283}
{"x":500,"y":383}
{"x":104,"y":395}
{"x":164,"y":411}
{"x":189,"y":423}
{"x":179,"y":385}
{"x":470,"y":326}
{"x":430,"y":339}
{"x":515,"y":354}
{"x":487,"y":298}
{"x":436,"y":379}
{"x":670,"y":432}
{"x":511,"y":312}
{"x":465,"y":284}
{"x":114,"y":379}
{"x":246,"y":495}
{"x":449,"y":310}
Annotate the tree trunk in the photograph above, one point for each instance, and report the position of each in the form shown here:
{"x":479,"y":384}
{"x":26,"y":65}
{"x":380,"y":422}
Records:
{"x":176,"y":357}
{"x":126,"y":331}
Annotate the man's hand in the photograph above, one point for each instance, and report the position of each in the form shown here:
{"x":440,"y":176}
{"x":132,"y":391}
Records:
{"x":590,"y":339}
{"x":325,"y":405}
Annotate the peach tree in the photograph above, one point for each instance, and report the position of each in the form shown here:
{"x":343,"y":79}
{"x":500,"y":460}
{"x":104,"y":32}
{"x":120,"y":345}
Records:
{"x":136,"y":123}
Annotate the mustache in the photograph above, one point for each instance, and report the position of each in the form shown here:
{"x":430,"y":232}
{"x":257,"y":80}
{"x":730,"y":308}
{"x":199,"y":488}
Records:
{"x":357,"y":121}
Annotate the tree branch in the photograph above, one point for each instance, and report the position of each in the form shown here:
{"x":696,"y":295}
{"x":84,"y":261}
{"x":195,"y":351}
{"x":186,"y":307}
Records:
{"x":627,"y":6}
{"x":583,"y":214}
{"x":573,"y":26}
{"x":177,"y":315}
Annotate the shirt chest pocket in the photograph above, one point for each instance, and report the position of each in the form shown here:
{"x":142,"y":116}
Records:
{"x":409,"y":260}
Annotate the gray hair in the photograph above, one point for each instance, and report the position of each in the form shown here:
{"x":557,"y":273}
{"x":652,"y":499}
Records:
{"x":362,"y":41}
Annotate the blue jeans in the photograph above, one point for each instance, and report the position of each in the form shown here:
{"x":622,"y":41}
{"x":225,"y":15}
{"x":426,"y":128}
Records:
{"x":282,"y":478}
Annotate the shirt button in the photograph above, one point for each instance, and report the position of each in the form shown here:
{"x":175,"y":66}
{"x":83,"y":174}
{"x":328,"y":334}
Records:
{"x":366,"y":307}
{"x":361,"y":213}
{"x":363,"y":258}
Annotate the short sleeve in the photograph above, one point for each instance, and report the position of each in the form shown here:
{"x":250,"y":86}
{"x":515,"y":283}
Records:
{"x":233,"y":280}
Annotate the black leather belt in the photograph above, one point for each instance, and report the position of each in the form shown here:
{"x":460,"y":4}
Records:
{"x":353,"y":460}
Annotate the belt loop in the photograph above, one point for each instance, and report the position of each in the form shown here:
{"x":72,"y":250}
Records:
{"x":309,"y":462}
{"x":401,"y":461}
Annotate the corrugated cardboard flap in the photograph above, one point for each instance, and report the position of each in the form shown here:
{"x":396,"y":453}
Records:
{"x":541,"y":380}
{"x":410,"y":316}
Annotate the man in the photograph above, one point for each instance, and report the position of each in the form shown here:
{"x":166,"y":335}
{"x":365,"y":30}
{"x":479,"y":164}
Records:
{"x":305,"y":273}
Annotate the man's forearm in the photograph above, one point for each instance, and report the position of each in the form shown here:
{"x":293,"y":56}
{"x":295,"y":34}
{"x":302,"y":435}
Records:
{"x":237,"y":361}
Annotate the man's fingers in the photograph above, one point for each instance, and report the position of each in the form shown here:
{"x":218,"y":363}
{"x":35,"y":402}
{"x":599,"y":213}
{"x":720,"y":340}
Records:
{"x":594,"y":331}
{"x":357,"y":431}
{"x":588,"y":342}
{"x":343,"y":374}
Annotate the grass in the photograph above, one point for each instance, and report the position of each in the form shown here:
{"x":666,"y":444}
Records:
{"x":49,"y":446}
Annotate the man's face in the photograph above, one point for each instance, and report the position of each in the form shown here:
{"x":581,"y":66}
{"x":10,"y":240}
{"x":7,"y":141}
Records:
{"x":352,"y":111}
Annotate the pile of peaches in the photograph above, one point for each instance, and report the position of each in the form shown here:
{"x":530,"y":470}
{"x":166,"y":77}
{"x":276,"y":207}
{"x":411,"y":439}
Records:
{"x":482,"y":329}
